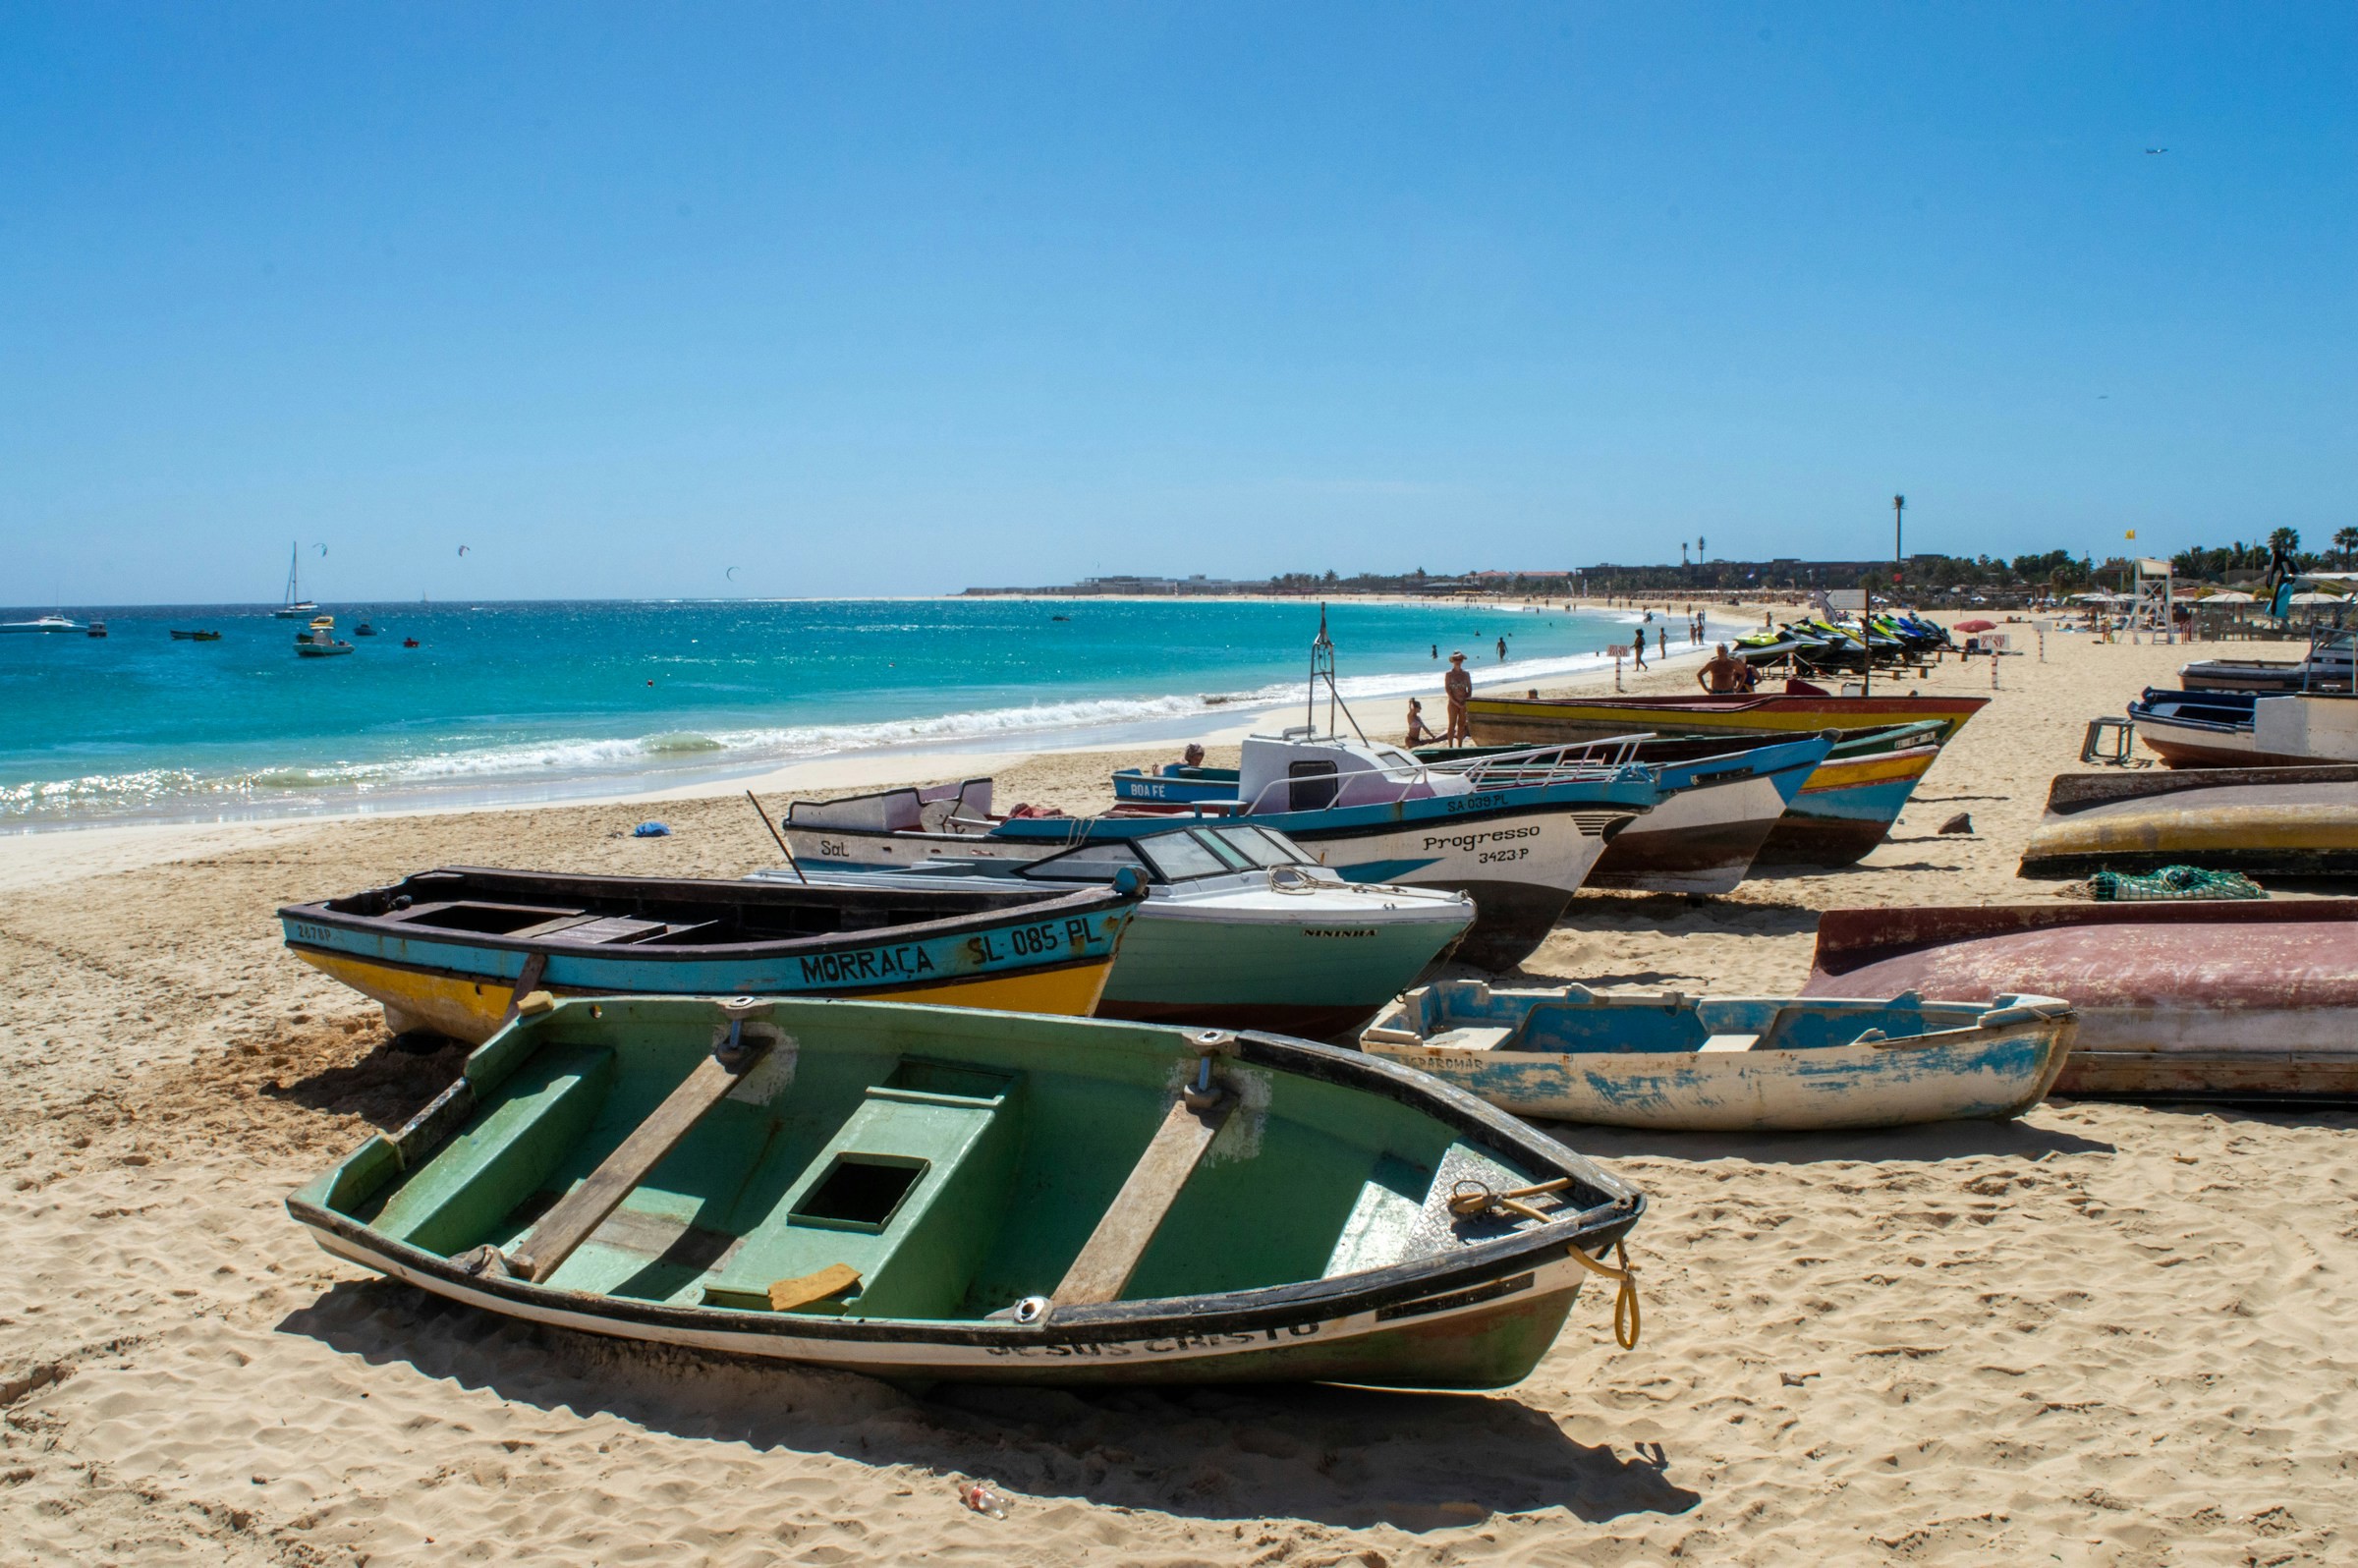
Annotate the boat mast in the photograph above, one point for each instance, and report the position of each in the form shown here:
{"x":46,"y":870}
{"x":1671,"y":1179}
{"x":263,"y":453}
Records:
{"x":1322,"y":668}
{"x":294,"y":560}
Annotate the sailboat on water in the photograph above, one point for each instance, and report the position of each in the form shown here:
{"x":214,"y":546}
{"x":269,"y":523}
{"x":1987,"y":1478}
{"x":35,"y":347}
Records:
{"x":296,"y":608}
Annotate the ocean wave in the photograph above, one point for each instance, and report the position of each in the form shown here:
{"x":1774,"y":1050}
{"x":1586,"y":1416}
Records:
{"x":277,"y":787}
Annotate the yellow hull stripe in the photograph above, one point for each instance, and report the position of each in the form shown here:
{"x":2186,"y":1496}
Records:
{"x":2168,"y":831}
{"x":472,"y":1010}
{"x":1851,"y":772}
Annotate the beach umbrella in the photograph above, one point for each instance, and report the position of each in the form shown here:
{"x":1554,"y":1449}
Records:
{"x":1974,"y":626}
{"x":2230,"y":597}
{"x":2317,"y":599}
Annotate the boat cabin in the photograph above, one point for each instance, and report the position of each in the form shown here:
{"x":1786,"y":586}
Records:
{"x":1297,"y":772}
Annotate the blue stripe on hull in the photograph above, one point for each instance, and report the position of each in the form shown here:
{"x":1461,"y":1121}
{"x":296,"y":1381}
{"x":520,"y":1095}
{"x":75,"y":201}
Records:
{"x":1012,"y":949}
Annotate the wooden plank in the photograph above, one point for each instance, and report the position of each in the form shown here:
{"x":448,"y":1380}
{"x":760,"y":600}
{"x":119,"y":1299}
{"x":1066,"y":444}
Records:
{"x":581,"y":1212}
{"x":534,"y":964}
{"x":833,"y":1280}
{"x":1732,"y":1042}
{"x":1127,"y":1227}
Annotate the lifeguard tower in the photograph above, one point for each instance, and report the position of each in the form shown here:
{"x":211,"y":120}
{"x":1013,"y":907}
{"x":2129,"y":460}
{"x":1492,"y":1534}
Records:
{"x":2154,"y":606}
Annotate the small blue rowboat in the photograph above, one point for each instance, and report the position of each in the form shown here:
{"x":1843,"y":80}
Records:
{"x":1175,"y":784}
{"x":1674,"y":1063}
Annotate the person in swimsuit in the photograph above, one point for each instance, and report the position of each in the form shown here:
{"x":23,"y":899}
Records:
{"x":1418,"y":733}
{"x":1458,"y":687}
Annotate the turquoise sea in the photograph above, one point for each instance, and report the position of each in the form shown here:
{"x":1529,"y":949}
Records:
{"x":543,"y":700}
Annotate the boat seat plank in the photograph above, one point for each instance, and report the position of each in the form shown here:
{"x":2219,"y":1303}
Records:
{"x":613,"y":928}
{"x":1472,"y":1038}
{"x":563,"y":923}
{"x":1730,"y":1042}
{"x":581,"y":1212}
{"x":1102,"y":1271}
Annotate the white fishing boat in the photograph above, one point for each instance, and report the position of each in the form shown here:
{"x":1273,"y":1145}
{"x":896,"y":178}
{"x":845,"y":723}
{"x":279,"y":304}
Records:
{"x":45,"y":623}
{"x":296,"y":607}
{"x":1521,"y":846}
{"x":1241,"y":928}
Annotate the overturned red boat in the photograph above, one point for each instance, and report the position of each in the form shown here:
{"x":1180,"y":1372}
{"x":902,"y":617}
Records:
{"x":2199,"y":1001}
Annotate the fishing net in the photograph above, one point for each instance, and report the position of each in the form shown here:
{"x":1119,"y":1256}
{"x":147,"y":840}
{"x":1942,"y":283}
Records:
{"x":2171,"y":882}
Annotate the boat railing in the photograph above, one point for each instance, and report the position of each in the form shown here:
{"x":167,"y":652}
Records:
{"x":1598,"y":762}
{"x":1567,"y":762}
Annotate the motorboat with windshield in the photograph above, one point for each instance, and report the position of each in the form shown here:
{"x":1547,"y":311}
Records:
{"x":1241,"y":928}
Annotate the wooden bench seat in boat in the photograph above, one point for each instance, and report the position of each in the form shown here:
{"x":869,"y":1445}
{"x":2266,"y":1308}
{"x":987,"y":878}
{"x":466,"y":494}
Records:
{"x":907,"y":1194}
{"x":532,"y":1120}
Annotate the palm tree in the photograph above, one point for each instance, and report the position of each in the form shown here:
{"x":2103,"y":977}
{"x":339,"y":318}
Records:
{"x":2286,"y":540}
{"x":2346,"y":542}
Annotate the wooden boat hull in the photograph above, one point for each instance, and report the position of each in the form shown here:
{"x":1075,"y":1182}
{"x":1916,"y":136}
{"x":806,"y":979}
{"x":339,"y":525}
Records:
{"x":1315,"y":962}
{"x":467,"y":1003}
{"x":2247,"y":729}
{"x":1703,"y":835}
{"x":1520,"y":862}
{"x":1846,"y":808}
{"x":2285,"y":822}
{"x":1722,"y":1070}
{"x":1177,"y":786}
{"x":1354,"y":1277}
{"x":1020,"y":952}
{"x":1527,"y":721}
{"x":2201,"y":1000}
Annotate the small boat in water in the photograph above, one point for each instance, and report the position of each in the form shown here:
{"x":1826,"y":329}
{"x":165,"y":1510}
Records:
{"x":318,"y":641}
{"x":926,"y":1194}
{"x":2205,"y":999}
{"x":1676,"y":1063}
{"x":1241,"y":928}
{"x":296,"y":607}
{"x":196,"y":637}
{"x":2277,"y":821}
{"x":44,"y":623}
{"x":97,"y":628}
{"x":409,"y":642}
{"x":363,"y":630}
{"x":451,"y":950}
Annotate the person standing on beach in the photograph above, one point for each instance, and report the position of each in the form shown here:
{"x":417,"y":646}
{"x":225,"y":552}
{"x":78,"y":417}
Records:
{"x":1640,"y":646}
{"x":1458,"y":687}
{"x":1502,"y":650}
{"x":1662,"y":648}
{"x":1721,"y":675}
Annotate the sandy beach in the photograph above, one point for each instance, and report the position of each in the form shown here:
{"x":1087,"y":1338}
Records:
{"x":2101,"y":1334}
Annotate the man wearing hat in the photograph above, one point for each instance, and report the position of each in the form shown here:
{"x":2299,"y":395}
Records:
{"x":1458,"y":687}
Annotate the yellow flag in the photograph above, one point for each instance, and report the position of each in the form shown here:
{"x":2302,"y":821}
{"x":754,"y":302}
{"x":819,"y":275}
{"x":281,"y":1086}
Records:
{"x":2132,"y":534}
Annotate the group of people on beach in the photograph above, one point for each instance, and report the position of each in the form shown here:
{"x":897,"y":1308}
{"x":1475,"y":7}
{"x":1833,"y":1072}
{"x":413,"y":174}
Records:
{"x":1721,"y":675}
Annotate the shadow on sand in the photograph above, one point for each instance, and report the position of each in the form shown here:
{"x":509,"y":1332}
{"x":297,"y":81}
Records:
{"x":1344,"y":1457}
{"x":1933,"y":1140}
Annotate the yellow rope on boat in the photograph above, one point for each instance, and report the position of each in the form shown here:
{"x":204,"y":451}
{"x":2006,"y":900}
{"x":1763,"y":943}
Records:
{"x":1471,"y":1198}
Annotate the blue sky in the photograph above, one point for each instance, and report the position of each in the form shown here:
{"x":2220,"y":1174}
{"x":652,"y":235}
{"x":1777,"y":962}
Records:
{"x":874,"y":298}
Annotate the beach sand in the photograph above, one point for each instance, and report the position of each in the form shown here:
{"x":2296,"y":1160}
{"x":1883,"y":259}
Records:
{"x":2101,"y":1334}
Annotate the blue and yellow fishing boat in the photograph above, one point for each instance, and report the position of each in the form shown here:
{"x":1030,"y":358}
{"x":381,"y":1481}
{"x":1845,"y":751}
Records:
{"x":451,"y":950}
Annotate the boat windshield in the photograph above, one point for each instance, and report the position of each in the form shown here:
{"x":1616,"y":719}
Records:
{"x":1091,"y":863}
{"x":1178,"y":856}
{"x":1184,"y":855}
{"x":1261,"y":847}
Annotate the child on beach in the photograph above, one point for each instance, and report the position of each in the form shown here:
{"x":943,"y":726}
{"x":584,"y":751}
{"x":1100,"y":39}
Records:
{"x":1418,"y":733}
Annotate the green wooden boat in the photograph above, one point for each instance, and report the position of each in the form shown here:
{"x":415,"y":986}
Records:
{"x":931,"y":1193}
